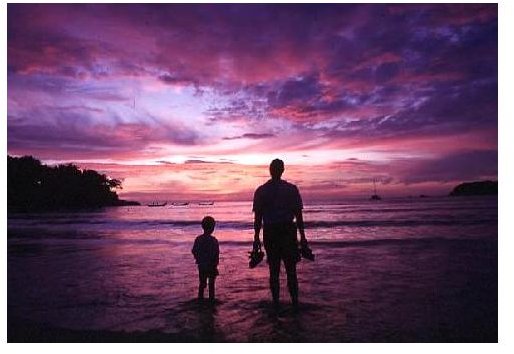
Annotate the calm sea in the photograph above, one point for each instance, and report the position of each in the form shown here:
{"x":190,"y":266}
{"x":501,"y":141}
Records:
{"x":395,"y":270}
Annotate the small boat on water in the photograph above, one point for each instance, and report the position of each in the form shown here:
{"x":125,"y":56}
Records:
{"x":206,"y":203}
{"x":375,"y":196}
{"x":180,"y":203}
{"x":157,"y":204}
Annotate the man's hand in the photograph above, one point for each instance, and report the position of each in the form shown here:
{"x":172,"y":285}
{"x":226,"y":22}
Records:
{"x":256,"y":242}
{"x":303,"y":242}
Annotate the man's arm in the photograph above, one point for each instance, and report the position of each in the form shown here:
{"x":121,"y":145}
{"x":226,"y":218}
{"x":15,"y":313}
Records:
{"x":299,"y":217}
{"x":257,"y":225}
{"x":301,"y":227}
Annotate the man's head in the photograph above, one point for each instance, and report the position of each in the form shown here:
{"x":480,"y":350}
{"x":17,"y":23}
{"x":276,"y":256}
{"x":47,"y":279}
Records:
{"x":208,"y":224}
{"x":276,"y":168}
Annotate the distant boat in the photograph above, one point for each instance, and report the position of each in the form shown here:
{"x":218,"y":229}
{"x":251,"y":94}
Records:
{"x":180,"y":203}
{"x":157,"y":204}
{"x":206,"y":203}
{"x":375,"y":196}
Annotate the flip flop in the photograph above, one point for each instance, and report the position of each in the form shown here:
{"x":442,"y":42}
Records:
{"x":306,"y":253}
{"x":256,"y":257}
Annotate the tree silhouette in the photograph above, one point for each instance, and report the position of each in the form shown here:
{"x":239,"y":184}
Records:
{"x":476,"y":188}
{"x":32,"y":186}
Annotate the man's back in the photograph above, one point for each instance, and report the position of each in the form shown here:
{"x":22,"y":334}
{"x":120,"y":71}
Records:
{"x":278,"y":201}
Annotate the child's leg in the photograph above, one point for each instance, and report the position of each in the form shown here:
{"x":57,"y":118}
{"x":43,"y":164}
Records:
{"x":203,"y":283}
{"x":212,"y":280}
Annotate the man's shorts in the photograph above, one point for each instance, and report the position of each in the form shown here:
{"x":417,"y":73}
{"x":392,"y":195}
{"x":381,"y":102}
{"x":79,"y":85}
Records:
{"x":280,"y":242}
{"x":208,"y":272}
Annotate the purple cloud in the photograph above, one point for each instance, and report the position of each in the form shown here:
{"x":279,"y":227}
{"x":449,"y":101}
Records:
{"x":320,"y":76}
{"x":464,"y":166}
{"x":255,"y":136}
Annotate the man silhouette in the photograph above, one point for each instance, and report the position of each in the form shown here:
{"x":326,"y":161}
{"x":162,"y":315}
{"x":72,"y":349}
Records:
{"x":276,"y":204}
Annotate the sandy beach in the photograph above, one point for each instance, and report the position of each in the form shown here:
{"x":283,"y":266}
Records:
{"x":432,"y":290}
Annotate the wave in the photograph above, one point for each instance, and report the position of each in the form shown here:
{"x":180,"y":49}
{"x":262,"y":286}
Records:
{"x":245,"y":225}
{"x":401,"y":241}
{"x":315,"y":244}
{"x":379,"y":242}
{"x":352,"y":210}
{"x":399,"y":223}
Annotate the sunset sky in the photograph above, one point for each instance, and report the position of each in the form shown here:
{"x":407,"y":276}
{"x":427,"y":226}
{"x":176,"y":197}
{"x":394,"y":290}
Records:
{"x":192,"y":102}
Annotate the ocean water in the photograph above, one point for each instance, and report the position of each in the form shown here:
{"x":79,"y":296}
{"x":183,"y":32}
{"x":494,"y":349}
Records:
{"x":416,"y":270}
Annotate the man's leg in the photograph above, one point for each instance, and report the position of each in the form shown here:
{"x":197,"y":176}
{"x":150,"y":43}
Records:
{"x":212,"y":280}
{"x":203,"y":283}
{"x":292,"y":281}
{"x":274,"y":274}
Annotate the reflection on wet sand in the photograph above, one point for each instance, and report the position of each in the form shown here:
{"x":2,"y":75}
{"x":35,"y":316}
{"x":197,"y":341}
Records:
{"x":68,"y":283}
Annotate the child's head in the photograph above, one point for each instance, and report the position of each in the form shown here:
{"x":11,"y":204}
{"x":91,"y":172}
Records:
{"x":208,"y":224}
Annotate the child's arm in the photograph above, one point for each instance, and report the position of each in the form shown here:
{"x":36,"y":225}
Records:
{"x":217,"y":259}
{"x":194,"y":251}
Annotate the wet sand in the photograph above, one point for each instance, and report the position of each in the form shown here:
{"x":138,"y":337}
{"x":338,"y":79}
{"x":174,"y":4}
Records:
{"x":417,"y":291}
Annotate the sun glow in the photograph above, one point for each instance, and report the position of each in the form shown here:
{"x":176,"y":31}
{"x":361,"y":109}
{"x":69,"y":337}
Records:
{"x":168,"y":109}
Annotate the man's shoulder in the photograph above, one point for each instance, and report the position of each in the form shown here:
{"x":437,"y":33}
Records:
{"x":264,"y":185}
{"x":289,"y":186}
{"x":262,"y":188}
{"x":271,"y":186}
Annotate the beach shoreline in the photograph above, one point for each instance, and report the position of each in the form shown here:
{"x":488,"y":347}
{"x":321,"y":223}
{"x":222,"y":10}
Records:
{"x":129,"y":276}
{"x":369,"y":305}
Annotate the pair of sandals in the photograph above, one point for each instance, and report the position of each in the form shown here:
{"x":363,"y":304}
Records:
{"x":257,"y":255}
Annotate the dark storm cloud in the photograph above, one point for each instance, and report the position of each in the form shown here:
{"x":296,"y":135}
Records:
{"x":394,"y":61}
{"x":234,"y":47}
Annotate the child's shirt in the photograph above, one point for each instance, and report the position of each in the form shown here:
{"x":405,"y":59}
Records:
{"x":206,"y":251}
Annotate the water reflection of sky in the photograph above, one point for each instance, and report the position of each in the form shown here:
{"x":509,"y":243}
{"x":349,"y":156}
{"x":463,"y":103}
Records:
{"x":358,"y":220}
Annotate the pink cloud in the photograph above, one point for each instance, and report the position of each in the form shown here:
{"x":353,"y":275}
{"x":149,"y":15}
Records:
{"x":402,"y":83}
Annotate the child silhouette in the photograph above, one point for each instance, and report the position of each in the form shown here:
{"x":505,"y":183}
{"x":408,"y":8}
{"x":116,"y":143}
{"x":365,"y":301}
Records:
{"x":206,"y":252}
